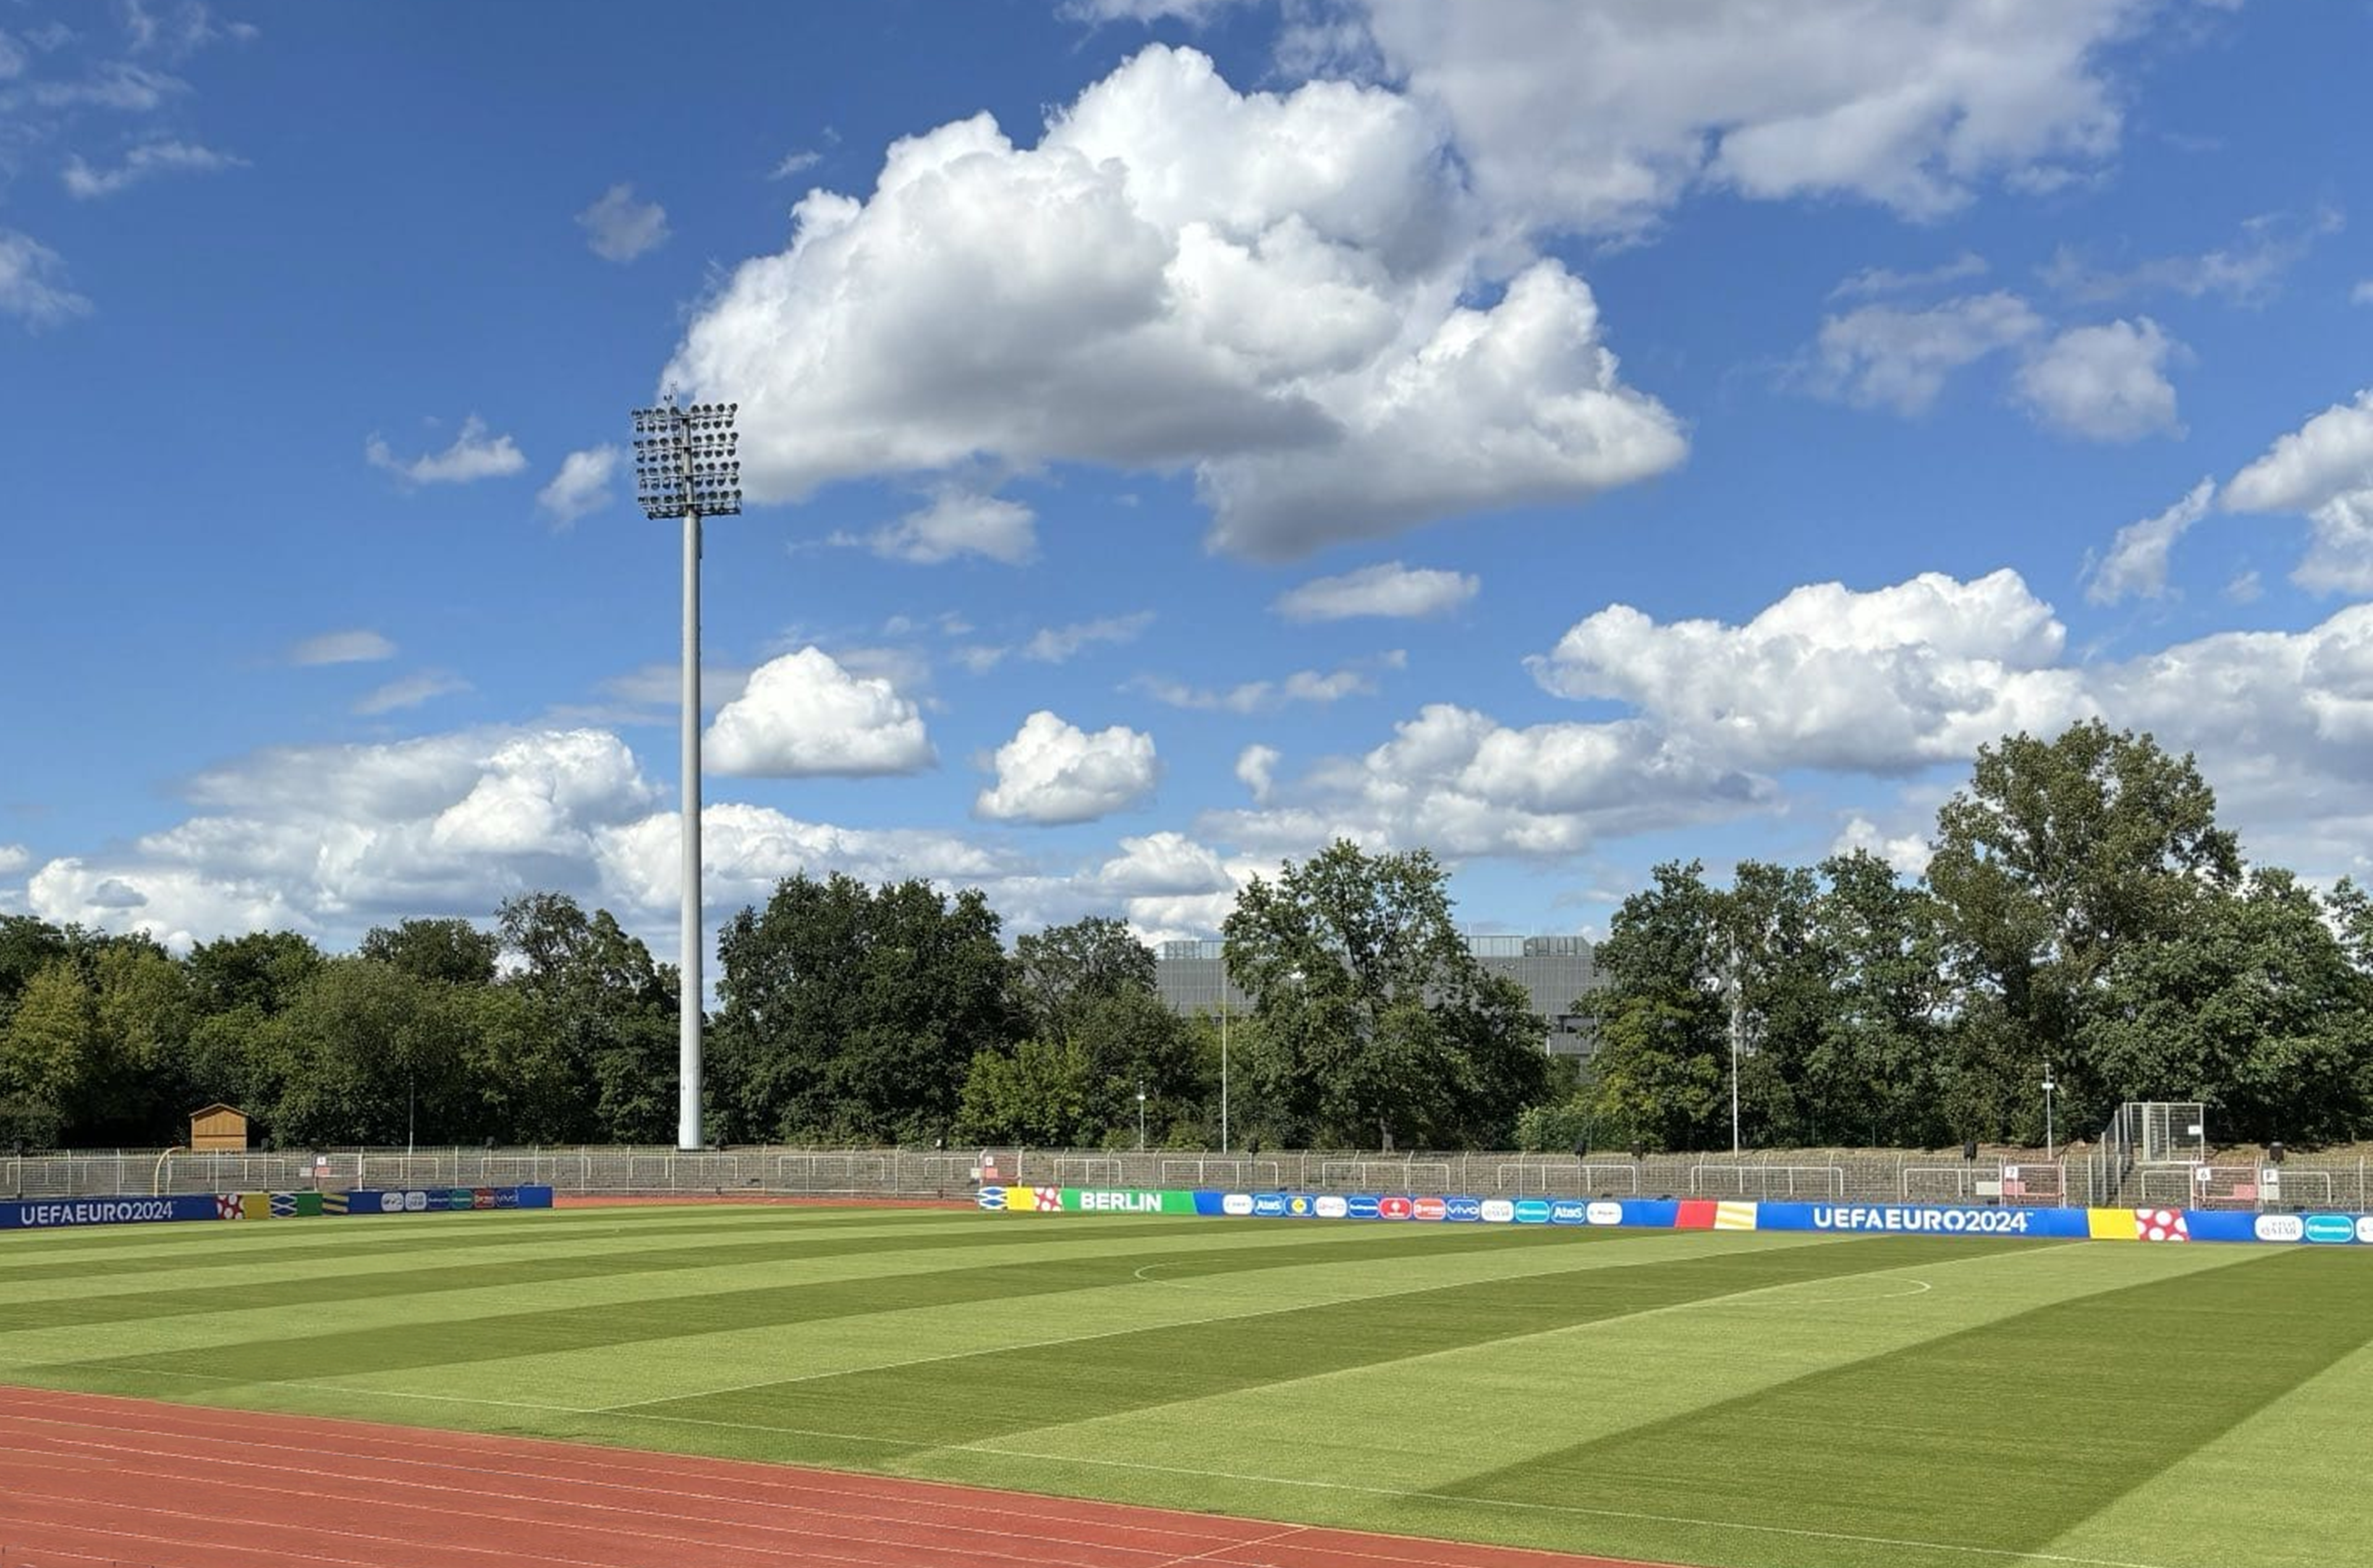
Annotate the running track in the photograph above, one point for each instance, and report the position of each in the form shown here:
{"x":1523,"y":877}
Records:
{"x":89,"y":1480}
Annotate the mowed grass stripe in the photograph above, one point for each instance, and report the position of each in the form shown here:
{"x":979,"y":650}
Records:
{"x":977,"y":1398}
{"x":2000,"y":1437}
{"x":92,"y":1260}
{"x":695,"y":1365}
{"x":301,"y":1351}
{"x":359,"y":1280}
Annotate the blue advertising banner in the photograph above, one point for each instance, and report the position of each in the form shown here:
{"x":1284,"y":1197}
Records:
{"x":1918,"y":1219}
{"x":52,"y":1214}
{"x":446,"y":1200}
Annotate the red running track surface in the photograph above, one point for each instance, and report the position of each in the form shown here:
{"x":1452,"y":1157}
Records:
{"x":88,"y":1479}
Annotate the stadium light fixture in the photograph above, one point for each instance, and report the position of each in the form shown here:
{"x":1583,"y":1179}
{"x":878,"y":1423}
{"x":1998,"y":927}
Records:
{"x":686,"y":466}
{"x":2048,"y":1087}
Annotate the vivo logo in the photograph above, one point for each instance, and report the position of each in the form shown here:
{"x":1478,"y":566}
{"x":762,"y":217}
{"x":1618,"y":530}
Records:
{"x":1462,"y":1207}
{"x":2280,"y":1227}
{"x":1238,"y":1203}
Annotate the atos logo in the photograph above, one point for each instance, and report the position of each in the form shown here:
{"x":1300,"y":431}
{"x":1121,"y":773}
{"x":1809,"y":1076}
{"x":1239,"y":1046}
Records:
{"x":1332,"y":1207}
{"x":1532,"y":1212}
{"x":1269,"y":1205}
{"x":2281,"y":1227}
{"x":1605,"y":1214}
{"x":1362,"y":1206}
{"x":1498,"y":1210}
{"x":1462,"y":1209}
{"x":1569,"y":1212}
{"x":1430,"y":1209}
{"x":1239,"y":1203}
{"x":2329,"y":1228}
{"x":1396,"y":1208}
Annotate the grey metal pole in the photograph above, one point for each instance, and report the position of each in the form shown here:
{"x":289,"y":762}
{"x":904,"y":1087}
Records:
{"x":1223,"y":1075}
{"x":688,"y":1017}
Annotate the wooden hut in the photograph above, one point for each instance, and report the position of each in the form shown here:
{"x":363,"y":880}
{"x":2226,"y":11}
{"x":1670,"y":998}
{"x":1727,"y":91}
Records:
{"x":218,"y":1127}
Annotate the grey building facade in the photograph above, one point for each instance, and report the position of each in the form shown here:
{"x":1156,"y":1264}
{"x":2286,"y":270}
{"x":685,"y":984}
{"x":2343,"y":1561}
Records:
{"x":1192,"y":977}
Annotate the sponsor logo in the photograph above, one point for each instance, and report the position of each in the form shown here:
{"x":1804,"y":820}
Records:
{"x":1395,"y":1207}
{"x":990,"y":1198}
{"x":1604,"y":1213}
{"x":2281,"y":1227}
{"x":1363,"y":1206}
{"x":2364,"y":1230}
{"x":1532,"y":1212}
{"x":230,"y":1206}
{"x":482,"y":1198}
{"x":390,"y":1203}
{"x":1238,"y":1203}
{"x":106,"y":1211}
{"x":1982,"y":1222}
{"x":1332,"y":1207}
{"x":1569,"y":1212}
{"x":1269,"y":1205}
{"x":2326,"y":1229}
{"x":1298,"y":1206}
{"x":507,"y":1197}
{"x":1462,"y":1209}
{"x":1498,"y":1210}
{"x":1429,"y":1208}
{"x":415,"y":1203}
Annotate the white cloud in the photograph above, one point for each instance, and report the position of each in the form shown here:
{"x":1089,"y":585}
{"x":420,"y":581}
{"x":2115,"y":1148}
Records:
{"x":33,"y":283}
{"x":1265,"y":696}
{"x":332,"y":838}
{"x":1872,"y":281}
{"x":412,"y":691}
{"x":958,"y":522}
{"x":2325,"y":470}
{"x":795,"y":163}
{"x":1053,"y":772}
{"x":1884,"y":357}
{"x":2362,"y":294}
{"x":803,"y":715}
{"x":1908,"y":853}
{"x":359,"y":646}
{"x":2105,"y":383}
{"x":1463,"y":784}
{"x":1265,"y":288}
{"x":620,"y":228}
{"x":1256,"y":770}
{"x":1388,"y":589}
{"x":1059,"y":645}
{"x":581,"y":486}
{"x":1163,"y":865}
{"x":144,"y":162}
{"x":1193,"y":12}
{"x":1599,"y":117}
{"x":2136,"y":564}
{"x":2246,"y":273}
{"x":1882,"y":682}
{"x":746,"y":850}
{"x":14,"y":858}
{"x":472,"y":457}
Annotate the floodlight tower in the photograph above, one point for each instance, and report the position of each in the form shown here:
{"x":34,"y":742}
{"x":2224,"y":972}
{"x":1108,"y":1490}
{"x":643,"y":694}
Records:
{"x":684,"y":467}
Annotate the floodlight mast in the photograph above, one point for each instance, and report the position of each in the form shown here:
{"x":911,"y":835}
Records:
{"x":684,"y":467}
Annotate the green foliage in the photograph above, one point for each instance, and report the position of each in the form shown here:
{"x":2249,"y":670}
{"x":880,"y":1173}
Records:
{"x":848,"y":1014}
{"x":1040,"y":1092}
{"x":1378,"y":1028}
{"x":454,"y":953}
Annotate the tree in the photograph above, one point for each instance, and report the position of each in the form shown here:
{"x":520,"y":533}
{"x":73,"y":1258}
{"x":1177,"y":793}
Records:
{"x":602,"y":1017}
{"x":1875,"y":1074}
{"x":2253,"y":1009}
{"x":2058,"y":857}
{"x":1039,"y":1092}
{"x":1376,"y":1023}
{"x":450,"y":951}
{"x":1090,"y":985}
{"x":366,"y":1053}
{"x":1659,"y":1077}
{"x":852,"y":1015}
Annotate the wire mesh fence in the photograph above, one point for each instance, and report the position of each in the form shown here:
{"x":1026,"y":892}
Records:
{"x":2081,"y":1177}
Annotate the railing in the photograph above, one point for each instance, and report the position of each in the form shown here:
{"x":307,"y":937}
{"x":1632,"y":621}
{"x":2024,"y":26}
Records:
{"x":2340,"y":1183}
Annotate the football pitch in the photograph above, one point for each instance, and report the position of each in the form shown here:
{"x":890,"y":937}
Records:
{"x":1757,"y":1401}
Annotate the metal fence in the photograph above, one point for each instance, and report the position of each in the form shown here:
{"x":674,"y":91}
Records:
{"x":2079,"y":1177}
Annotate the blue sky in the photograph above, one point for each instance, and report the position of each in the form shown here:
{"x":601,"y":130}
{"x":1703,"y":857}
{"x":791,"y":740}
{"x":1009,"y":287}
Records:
{"x":1177,"y":432}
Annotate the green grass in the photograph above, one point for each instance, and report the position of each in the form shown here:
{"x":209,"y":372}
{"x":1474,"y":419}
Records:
{"x":1750,"y":1401}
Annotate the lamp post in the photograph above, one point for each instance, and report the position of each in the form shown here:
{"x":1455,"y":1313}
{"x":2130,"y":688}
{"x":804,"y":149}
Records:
{"x":684,"y":467}
{"x":1140,"y":1119}
{"x":2048,"y":1086}
{"x":1223,"y":1073}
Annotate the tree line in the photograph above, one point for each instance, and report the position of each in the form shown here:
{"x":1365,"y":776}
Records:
{"x":2081,"y":911}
